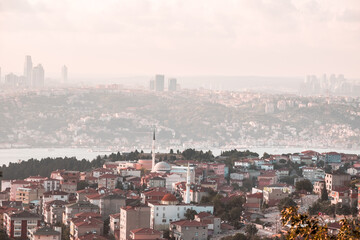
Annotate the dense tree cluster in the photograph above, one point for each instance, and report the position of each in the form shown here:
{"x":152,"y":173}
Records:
{"x":303,"y":226}
{"x":192,"y":154}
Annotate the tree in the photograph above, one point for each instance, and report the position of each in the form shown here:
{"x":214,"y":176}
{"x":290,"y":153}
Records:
{"x":107,"y":226}
{"x":303,"y":226}
{"x":82,"y":185}
{"x":324,"y":194}
{"x":3,"y":235}
{"x":171,"y":151}
{"x":190,"y":214}
{"x":265,"y":155}
{"x":286,"y":202}
{"x":251,"y":230}
{"x":304,"y":185}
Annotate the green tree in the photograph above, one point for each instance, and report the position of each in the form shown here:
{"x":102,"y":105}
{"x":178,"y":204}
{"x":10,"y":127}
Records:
{"x":324,"y":194}
{"x":286,"y":202}
{"x":3,"y":235}
{"x":190,"y":214}
{"x":82,"y":185}
{"x":303,"y":226}
{"x":107,"y":226}
{"x":251,"y":230}
{"x":304,"y":185}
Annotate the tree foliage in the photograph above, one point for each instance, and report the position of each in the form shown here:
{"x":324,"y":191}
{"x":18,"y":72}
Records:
{"x":304,"y":185}
{"x":286,"y":202}
{"x":303,"y":226}
{"x":190,"y":214}
{"x":324,"y":194}
{"x":251,"y":230}
{"x":192,"y":154}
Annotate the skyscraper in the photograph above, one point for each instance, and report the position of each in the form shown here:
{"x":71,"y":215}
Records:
{"x":28,"y":70}
{"x":64,"y":74}
{"x":172,"y":84}
{"x":159,"y":83}
{"x":38,"y":76}
{"x":152,"y":85}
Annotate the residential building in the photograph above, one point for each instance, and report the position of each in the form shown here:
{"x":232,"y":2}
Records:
{"x":17,"y":224}
{"x":79,"y":207}
{"x":169,"y":210}
{"x":189,"y":229}
{"x":145,"y":234}
{"x":81,"y":226}
{"x":272,"y":194}
{"x":44,"y":233}
{"x":335,"y":180}
{"x":133,"y":218}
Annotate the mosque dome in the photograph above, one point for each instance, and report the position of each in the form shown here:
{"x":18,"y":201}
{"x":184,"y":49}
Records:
{"x":162,"y":167}
{"x":169,"y":199}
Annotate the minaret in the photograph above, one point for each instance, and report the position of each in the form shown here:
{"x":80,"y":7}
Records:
{"x":153,"y":153}
{"x":187,"y":197}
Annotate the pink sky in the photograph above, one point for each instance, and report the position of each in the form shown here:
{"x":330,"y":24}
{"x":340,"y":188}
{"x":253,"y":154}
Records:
{"x":182,"y":37}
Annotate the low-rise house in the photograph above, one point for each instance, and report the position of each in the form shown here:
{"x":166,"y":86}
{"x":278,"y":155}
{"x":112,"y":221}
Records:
{"x":213,"y":223}
{"x":254,"y":201}
{"x":114,"y":223}
{"x":145,"y":234}
{"x":108,"y":181}
{"x":267,"y":166}
{"x":318,"y":186}
{"x":169,"y":210}
{"x":188,"y":229}
{"x":101,"y":171}
{"x":79,"y":207}
{"x":335,"y":180}
{"x":313,"y":174}
{"x":153,"y":195}
{"x":155,"y":182}
{"x":81,"y":226}
{"x":344,"y":196}
{"x":55,"y":195}
{"x":272,"y":194}
{"x":266,"y":179}
{"x":81,"y":194}
{"x":44,"y":233}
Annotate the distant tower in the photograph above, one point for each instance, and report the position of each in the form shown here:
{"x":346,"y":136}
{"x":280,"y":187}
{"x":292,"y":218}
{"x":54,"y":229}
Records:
{"x":159,"y":83}
{"x":28,"y":70}
{"x":172,"y":84}
{"x":64,"y":74}
{"x":153,"y":153}
{"x":38,"y":76}
{"x":187,"y":197}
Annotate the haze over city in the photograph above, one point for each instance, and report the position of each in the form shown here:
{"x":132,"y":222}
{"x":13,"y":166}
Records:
{"x":179,"y":119}
{"x":182,"y":38}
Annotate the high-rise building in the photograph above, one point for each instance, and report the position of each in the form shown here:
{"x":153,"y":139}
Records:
{"x":28,"y":70}
{"x":64,"y":74}
{"x":152,"y":85}
{"x":172,"y":84}
{"x":159,"y":83}
{"x":38,"y":76}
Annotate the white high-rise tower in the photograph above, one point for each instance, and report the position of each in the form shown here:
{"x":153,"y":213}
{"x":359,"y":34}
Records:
{"x":188,"y":183}
{"x":64,"y":74}
{"x":28,"y":68}
{"x":153,"y":153}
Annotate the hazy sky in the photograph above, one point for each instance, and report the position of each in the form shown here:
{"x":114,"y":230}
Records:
{"x":182,"y":37}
